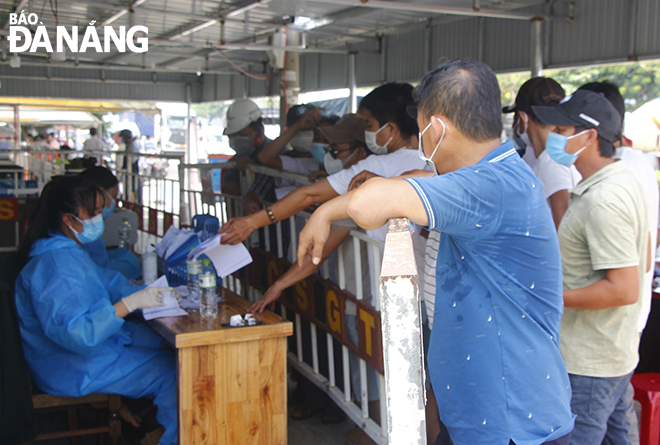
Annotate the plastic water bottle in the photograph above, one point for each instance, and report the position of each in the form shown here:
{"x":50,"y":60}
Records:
{"x":124,"y":233}
{"x":208,"y":303}
{"x":149,"y":266}
{"x":193,"y":269}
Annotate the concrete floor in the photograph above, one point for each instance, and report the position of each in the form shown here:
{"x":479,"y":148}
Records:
{"x":312,"y":431}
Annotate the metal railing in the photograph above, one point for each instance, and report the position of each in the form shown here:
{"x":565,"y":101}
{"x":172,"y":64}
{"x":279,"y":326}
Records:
{"x":185,"y":190}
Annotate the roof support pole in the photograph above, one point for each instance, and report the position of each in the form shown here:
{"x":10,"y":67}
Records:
{"x":291,"y":79}
{"x":352,"y":84}
{"x":632,"y":47}
{"x":537,"y":49}
{"x":17,"y":127}
{"x":191,"y":148}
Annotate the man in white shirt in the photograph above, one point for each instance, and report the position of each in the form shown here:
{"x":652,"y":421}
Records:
{"x":94,"y":143}
{"x":531,"y":132}
{"x":400,"y":157}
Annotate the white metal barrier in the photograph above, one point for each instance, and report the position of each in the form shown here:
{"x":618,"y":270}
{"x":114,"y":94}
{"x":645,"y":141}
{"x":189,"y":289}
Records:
{"x":184,"y":190}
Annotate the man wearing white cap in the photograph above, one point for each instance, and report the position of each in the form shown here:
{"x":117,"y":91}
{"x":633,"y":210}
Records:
{"x":246,"y":137}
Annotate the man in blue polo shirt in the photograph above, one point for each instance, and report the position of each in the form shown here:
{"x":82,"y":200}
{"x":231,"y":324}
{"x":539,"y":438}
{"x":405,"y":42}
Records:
{"x":494,"y":356}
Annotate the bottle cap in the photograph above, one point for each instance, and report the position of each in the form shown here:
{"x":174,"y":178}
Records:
{"x":206,"y":261}
{"x":124,"y":220}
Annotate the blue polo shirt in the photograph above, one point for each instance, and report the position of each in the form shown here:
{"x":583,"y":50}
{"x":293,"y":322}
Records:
{"x":494,"y":355}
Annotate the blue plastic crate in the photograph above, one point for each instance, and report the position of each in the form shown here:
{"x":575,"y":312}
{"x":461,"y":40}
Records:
{"x":206,"y":225}
{"x":176,"y":274}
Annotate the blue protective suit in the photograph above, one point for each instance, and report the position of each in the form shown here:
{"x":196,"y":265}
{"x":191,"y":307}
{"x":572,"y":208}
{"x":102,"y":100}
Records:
{"x":120,"y":259}
{"x":75,"y":344}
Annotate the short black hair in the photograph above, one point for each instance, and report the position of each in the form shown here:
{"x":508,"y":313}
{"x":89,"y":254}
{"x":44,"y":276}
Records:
{"x":388,"y":103}
{"x":92,"y":131}
{"x":611,"y":93}
{"x":125,"y":135}
{"x":100,"y":177}
{"x":467,"y":93}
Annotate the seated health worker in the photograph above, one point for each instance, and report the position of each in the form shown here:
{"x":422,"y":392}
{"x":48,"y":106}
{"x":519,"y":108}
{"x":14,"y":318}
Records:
{"x":71,"y":312}
{"x":119,"y":259}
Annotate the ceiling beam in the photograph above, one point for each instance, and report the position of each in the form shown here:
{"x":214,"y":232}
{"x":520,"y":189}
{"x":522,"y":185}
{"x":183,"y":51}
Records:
{"x":431,"y":9}
{"x":121,"y":13}
{"x":18,"y":8}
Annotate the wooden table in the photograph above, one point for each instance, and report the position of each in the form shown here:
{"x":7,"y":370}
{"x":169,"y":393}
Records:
{"x":231,"y":381}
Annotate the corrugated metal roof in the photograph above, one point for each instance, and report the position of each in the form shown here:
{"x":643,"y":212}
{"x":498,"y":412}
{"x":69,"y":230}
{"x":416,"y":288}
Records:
{"x":394,"y":40}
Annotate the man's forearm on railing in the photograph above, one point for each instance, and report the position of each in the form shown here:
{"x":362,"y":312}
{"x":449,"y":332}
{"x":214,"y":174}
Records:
{"x":238,"y":229}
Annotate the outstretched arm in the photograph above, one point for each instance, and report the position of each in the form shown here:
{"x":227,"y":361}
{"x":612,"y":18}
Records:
{"x":238,"y":229}
{"x":297,"y":272}
{"x":270,"y":155}
{"x":370,"y":206}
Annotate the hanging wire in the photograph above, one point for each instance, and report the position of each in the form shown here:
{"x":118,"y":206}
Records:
{"x":241,"y":70}
{"x":55,"y":9}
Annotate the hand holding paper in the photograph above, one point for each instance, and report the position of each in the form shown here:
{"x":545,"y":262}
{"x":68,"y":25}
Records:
{"x":225,"y":258}
{"x":170,"y":305}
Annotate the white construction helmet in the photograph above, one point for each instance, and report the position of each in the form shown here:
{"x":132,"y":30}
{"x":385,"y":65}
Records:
{"x":241,"y":114}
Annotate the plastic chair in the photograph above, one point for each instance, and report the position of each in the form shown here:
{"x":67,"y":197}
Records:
{"x":647,"y":392}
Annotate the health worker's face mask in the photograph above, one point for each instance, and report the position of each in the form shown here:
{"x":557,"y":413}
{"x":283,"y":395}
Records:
{"x":318,"y":151}
{"x":333,"y":165}
{"x":370,"y":140}
{"x":242,"y":145}
{"x":422,"y":155}
{"x":107,"y":211}
{"x":302,"y":142}
{"x":92,"y":229}
{"x":556,"y":148}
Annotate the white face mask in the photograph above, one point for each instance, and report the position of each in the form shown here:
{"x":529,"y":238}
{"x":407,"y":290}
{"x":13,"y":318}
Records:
{"x":523,"y":133}
{"x":333,"y":165}
{"x":422,"y":155}
{"x":370,"y":140}
{"x":242,"y":145}
{"x":302,"y":142}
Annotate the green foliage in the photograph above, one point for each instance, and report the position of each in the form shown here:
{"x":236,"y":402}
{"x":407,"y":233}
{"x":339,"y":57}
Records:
{"x":211,"y":110}
{"x":638,"y":82}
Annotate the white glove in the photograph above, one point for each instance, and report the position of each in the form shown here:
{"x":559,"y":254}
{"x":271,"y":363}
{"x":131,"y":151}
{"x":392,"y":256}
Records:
{"x":176,"y":295}
{"x":145,"y":298}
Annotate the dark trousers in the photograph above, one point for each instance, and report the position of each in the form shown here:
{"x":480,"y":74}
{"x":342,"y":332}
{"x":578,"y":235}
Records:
{"x":444,"y":439}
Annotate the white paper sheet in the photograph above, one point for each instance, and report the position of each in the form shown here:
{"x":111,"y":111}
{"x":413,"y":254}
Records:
{"x":225,"y":258}
{"x":171,"y":308}
{"x":172,"y":240}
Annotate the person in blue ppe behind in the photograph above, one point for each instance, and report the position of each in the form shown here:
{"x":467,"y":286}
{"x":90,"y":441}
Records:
{"x":71,"y":312}
{"x":119,"y":259}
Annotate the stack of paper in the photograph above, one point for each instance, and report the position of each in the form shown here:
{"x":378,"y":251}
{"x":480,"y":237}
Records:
{"x":173,"y":239}
{"x":171,"y":308}
{"x":225,"y":258}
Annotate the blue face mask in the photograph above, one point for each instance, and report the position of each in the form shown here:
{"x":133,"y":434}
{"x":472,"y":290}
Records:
{"x":92,"y":229}
{"x":556,"y":148}
{"x":107,"y":211}
{"x":318,"y":151}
